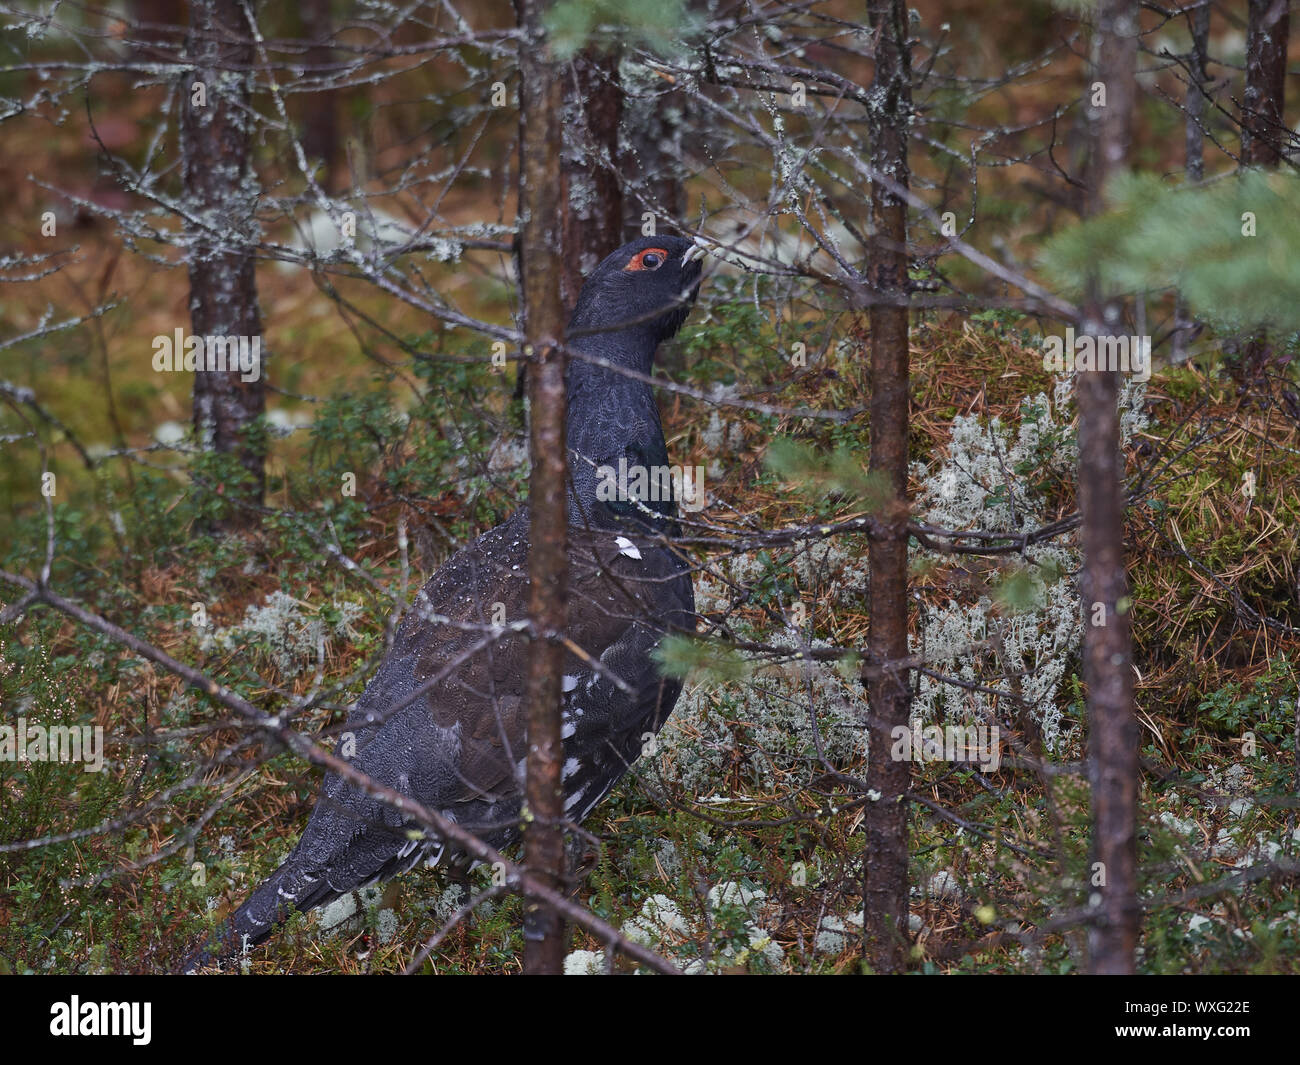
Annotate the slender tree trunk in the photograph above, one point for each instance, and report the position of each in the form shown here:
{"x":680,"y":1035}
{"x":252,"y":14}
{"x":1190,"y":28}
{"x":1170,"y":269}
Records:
{"x":1107,"y":643}
{"x":1194,"y":131}
{"x":592,"y":200}
{"x":1264,"y":131}
{"x":1193,"y":148}
{"x":650,"y":158}
{"x":320,"y":131}
{"x":885,"y":882}
{"x":158,"y":28}
{"x":220,"y":189}
{"x":651,"y":150}
{"x":542,"y":98}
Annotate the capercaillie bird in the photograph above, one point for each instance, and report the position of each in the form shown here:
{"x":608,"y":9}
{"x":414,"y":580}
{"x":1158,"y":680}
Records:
{"x":459,"y":749}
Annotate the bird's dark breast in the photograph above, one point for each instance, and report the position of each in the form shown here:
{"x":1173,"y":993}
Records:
{"x":463,"y":743}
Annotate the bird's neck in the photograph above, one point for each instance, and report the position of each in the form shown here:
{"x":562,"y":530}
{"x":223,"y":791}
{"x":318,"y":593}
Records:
{"x":618,"y":459}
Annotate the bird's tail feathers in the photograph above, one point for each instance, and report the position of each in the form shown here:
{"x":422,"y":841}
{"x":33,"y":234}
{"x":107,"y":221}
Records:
{"x":290,"y":889}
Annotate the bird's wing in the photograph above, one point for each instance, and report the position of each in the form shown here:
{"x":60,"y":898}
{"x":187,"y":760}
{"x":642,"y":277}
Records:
{"x":459,"y":747}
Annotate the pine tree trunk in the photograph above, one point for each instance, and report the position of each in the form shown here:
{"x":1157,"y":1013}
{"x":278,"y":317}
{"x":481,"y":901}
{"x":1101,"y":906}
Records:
{"x":320,"y":128}
{"x":1263,"y":122}
{"x":157,"y":29}
{"x":542,"y":98}
{"x":592,"y":200}
{"x":650,"y":148}
{"x":1194,"y":131}
{"x":1107,"y":642}
{"x":1264,"y":132}
{"x":1193,"y":150}
{"x":885,"y":881}
{"x":221,"y":194}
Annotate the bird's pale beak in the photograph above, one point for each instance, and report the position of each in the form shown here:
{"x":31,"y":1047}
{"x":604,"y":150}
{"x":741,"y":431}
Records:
{"x":696,"y":253}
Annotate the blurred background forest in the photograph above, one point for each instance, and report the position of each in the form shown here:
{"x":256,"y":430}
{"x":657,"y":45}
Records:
{"x":363,"y":206}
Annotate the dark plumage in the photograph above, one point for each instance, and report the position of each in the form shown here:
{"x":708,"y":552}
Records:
{"x":460,"y":748}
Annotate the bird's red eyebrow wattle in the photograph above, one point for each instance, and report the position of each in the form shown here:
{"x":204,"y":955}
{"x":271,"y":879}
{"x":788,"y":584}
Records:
{"x":638,"y":263}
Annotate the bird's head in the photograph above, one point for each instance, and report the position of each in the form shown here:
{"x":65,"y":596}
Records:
{"x":646,"y":287}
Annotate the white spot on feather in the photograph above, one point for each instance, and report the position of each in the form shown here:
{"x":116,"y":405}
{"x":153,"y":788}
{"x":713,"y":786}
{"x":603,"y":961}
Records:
{"x":627,"y":547}
{"x":570,"y":682}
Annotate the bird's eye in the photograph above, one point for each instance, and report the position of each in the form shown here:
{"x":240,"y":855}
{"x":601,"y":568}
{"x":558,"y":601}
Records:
{"x":650,"y":259}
